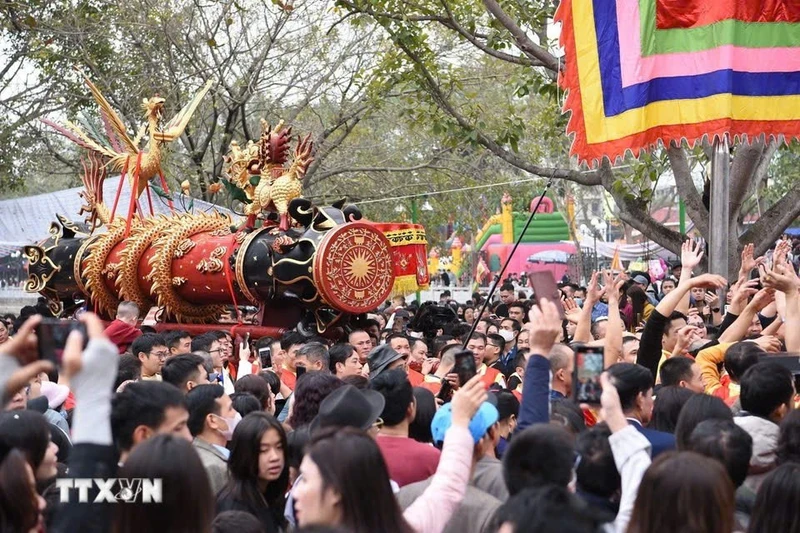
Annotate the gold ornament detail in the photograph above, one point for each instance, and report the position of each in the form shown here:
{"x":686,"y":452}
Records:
{"x":184,"y":248}
{"x":77,"y":265}
{"x":404,"y":237}
{"x":214,"y":262}
{"x":220,"y":232}
{"x":284,"y":241}
{"x":266,"y":162}
{"x":56,"y":307}
{"x":128,"y":154}
{"x":239,"y":264}
{"x":110,"y":270}
{"x":183,"y":227}
{"x":95,"y":265}
{"x":35,"y":282}
{"x":177,"y":281}
{"x":139,"y":241}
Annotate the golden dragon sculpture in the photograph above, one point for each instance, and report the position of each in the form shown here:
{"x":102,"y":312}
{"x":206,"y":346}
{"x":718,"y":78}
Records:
{"x":122,"y":152}
{"x":260,"y":171}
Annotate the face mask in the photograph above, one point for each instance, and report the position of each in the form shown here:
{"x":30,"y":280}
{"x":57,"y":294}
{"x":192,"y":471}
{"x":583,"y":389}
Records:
{"x":415,"y":365}
{"x":507,"y":335}
{"x":232,"y":423}
{"x":579,"y":302}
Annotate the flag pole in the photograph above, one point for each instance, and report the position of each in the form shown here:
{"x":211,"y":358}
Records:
{"x":720,"y":209}
{"x":508,"y":260}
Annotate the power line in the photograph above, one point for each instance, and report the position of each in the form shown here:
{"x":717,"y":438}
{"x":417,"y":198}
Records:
{"x":434,"y":193}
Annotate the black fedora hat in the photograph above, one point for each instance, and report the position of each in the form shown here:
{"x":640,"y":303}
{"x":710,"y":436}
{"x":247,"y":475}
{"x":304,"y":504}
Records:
{"x":349,"y":407}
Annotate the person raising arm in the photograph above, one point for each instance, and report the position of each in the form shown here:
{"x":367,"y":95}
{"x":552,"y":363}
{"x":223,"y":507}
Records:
{"x":660,"y":332}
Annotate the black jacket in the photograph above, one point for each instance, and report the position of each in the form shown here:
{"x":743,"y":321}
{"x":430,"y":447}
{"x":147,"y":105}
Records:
{"x":87,"y":461}
{"x":226,"y":502}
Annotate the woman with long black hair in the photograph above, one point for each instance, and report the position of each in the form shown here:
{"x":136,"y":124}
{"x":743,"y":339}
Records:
{"x":259,"y":473}
{"x":345,"y":481}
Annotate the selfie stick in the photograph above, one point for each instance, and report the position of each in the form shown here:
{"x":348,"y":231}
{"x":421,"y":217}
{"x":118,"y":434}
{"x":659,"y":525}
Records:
{"x":508,"y":260}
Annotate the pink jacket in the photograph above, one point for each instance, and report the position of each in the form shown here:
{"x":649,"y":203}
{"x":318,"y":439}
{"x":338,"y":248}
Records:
{"x":431,"y":511}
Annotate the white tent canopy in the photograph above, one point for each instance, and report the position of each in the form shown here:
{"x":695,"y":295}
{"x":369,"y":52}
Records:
{"x":627,"y":252}
{"x":26,"y":220}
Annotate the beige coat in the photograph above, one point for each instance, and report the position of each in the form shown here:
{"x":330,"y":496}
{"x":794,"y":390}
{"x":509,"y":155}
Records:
{"x":214,"y":462}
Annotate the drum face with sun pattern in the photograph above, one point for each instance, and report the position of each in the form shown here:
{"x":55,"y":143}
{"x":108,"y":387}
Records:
{"x":353,"y":267}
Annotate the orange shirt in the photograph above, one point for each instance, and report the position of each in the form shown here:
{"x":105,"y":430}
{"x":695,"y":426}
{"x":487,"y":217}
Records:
{"x":416,"y":378}
{"x":432,"y":383}
{"x":489,"y":376}
{"x":289,"y":378}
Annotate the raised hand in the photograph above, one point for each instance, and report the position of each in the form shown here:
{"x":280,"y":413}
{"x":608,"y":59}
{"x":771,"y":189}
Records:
{"x":544,"y":327}
{"x":571,"y":310}
{"x":427,"y":365}
{"x":467,"y":400}
{"x":781,"y":252}
{"x":748,"y":261}
{"x":244,"y":352}
{"x":75,"y":359}
{"x":687,"y":335}
{"x":593,"y":290}
{"x":769,"y":343}
{"x":763,"y":298}
{"x":611,"y":406}
{"x":741,"y":294}
{"x":711,"y":299}
{"x":781,"y":278}
{"x":691,"y":254}
{"x":708,"y":281}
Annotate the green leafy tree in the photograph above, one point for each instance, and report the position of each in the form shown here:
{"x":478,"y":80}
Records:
{"x":436,"y":43}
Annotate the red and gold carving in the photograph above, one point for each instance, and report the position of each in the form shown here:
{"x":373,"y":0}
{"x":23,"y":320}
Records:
{"x":94,"y":270}
{"x":409,"y":252}
{"x":136,"y":245}
{"x":161,"y":262}
{"x":214,"y":262}
{"x":353,"y":268}
{"x":282,"y":242}
{"x":184,"y":247}
{"x":110,"y":270}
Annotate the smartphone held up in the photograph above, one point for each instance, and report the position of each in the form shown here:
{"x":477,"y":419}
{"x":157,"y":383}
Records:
{"x":52,"y":333}
{"x":465,"y":366}
{"x":544,"y":287}
{"x":586,"y":387}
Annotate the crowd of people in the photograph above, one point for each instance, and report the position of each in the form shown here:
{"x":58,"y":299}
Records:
{"x":376,"y":432}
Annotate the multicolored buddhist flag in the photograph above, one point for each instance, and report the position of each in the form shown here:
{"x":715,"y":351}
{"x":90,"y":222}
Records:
{"x":639,"y":72}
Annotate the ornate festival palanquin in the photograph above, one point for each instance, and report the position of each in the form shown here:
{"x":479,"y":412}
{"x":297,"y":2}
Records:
{"x":300,"y":264}
{"x":330,"y":265}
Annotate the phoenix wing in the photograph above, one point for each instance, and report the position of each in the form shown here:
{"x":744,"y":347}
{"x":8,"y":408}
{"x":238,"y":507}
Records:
{"x":175,"y":127}
{"x":111,"y":119}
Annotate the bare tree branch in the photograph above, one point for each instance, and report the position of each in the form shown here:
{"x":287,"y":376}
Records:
{"x":524,"y":43}
{"x":772,"y":223}
{"x":588,"y":178}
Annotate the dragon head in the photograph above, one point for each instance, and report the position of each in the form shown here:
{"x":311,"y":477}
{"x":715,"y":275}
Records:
{"x":153,"y":107}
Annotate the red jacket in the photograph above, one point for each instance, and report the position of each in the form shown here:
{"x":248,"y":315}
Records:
{"x":122,"y":334}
